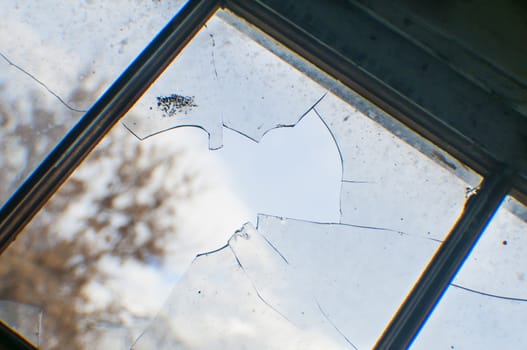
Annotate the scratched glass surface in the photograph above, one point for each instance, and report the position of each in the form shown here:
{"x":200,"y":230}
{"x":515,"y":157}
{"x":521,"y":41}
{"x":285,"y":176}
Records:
{"x":280,"y":201}
{"x":56,"y":58}
{"x":485,"y":307}
{"x":23,"y":318}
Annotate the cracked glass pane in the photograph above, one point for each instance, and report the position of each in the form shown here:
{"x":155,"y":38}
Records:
{"x":56,"y":58}
{"x":23,"y":318}
{"x":339,"y":213}
{"x":485,"y":307}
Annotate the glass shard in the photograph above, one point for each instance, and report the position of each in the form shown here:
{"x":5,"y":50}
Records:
{"x":418,"y":197}
{"x":91,"y":257}
{"x":486,"y":305}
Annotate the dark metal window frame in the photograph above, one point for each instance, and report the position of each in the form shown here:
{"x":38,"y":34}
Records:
{"x":499,"y":176}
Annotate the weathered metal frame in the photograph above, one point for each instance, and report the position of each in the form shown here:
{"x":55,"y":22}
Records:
{"x":310,"y":40}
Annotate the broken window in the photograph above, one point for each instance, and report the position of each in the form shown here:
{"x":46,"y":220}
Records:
{"x":485,"y":306}
{"x":42,"y":58}
{"x":312,"y":243}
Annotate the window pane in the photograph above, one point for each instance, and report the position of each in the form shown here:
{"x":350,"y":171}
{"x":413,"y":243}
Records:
{"x":23,"y":318}
{"x":56,"y":58}
{"x":312,"y":280}
{"x":338,"y":214}
{"x":222,"y":80}
{"x":486,"y":305}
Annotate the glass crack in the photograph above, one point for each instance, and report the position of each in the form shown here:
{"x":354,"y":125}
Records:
{"x":488,"y":294}
{"x":334,"y":326}
{"x":41,"y":83}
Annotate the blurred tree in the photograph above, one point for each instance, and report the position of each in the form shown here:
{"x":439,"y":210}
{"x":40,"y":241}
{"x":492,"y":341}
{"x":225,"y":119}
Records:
{"x":115,"y":206}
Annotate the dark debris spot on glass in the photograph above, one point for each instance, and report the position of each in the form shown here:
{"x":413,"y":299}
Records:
{"x":172,"y":104}
{"x":470,"y":191}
